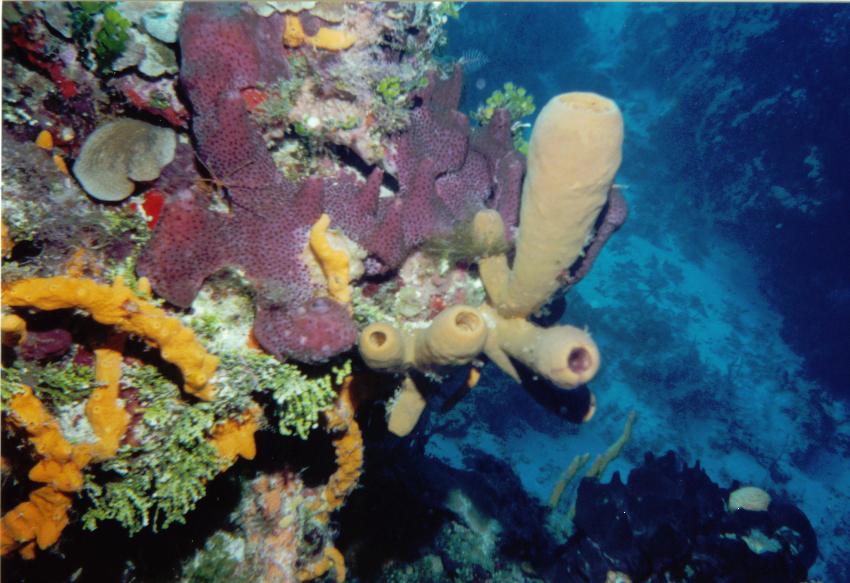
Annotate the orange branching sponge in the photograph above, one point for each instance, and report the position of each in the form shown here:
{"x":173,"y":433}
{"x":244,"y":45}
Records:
{"x":62,"y":463}
{"x":348,"y":447}
{"x":107,"y":417}
{"x":14,"y":329}
{"x":236,"y":438}
{"x":327,"y":38}
{"x":44,"y":140}
{"x":331,"y":558}
{"x":117,"y":305}
{"x":334,"y":262}
{"x":61,"y":165}
{"x":39,"y":521}
{"x":76,"y":264}
{"x":7,"y":243}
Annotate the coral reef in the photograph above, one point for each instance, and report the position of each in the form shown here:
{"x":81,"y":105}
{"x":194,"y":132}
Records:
{"x":442,"y":174}
{"x":109,"y":421}
{"x":118,"y":306}
{"x":42,"y":518}
{"x":302,"y":174}
{"x":284,"y":524}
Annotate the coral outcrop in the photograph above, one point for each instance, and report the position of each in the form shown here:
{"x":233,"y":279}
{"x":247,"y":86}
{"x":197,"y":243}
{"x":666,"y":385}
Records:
{"x":136,"y":424}
{"x":286,"y":525}
{"x":670,"y":518}
{"x":443,"y":175}
{"x":41,"y":519}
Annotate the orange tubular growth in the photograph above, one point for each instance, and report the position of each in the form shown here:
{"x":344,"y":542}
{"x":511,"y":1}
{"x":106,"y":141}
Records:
{"x":236,"y":438}
{"x":108,"y":418}
{"x":40,"y":520}
{"x":117,"y":305}
{"x":326,"y":38}
{"x":348,"y":446}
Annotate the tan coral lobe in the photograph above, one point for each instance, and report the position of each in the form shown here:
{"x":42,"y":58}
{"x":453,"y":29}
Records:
{"x":121,"y":152}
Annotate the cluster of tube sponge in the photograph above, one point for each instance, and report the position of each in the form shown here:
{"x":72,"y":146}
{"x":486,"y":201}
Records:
{"x":573,"y":155}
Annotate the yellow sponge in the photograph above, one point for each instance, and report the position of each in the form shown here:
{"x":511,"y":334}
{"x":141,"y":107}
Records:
{"x":573,"y":155}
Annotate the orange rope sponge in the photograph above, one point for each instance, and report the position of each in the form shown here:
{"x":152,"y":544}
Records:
{"x":107,"y":417}
{"x":62,"y":462}
{"x":118,"y":306}
{"x":327,"y":38}
{"x":348,"y":447}
{"x":236,"y":438}
{"x":331,"y":558}
{"x":41,"y":519}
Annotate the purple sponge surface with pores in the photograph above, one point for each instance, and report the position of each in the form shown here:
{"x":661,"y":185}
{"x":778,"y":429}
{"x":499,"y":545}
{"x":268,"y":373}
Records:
{"x":444,"y":173}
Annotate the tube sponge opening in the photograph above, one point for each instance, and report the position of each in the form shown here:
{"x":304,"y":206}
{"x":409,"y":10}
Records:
{"x":567,"y":356}
{"x":455,"y":337}
{"x":382,"y":346}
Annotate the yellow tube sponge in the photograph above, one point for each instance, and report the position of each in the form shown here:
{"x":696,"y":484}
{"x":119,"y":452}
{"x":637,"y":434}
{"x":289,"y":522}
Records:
{"x":118,"y":306}
{"x":334,"y":262}
{"x":564,"y":355}
{"x":382,"y":347}
{"x":407,"y":407}
{"x":454,"y":337}
{"x":573,"y":155}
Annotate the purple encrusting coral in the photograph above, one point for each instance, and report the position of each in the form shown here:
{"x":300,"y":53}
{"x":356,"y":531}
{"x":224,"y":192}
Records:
{"x":443,"y":176}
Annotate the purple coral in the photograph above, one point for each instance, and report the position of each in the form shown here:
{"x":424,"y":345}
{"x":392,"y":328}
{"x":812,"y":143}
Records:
{"x":45,"y":345}
{"x":443,"y":175}
{"x":614,"y":215}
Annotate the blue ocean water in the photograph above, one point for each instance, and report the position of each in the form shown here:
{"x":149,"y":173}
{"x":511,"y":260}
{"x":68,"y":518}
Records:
{"x":722,"y":307}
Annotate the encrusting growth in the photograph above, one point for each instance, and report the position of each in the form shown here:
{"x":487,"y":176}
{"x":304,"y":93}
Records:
{"x":108,"y":418}
{"x":41,"y":519}
{"x":334,"y":262}
{"x":235,"y":438}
